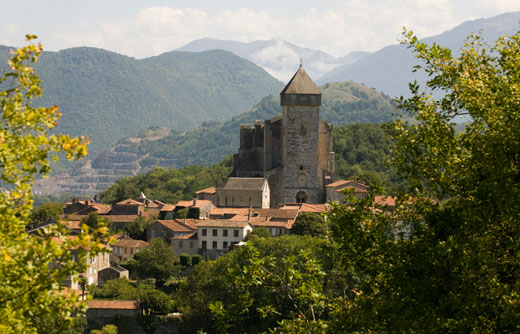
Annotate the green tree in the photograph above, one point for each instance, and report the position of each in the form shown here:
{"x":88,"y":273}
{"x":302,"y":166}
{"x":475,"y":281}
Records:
{"x":451,"y":264}
{"x":30,"y":280}
{"x":254,"y":287}
{"x":107,"y":329}
{"x":312,"y":224}
{"x":49,"y":210}
{"x":52,"y":324}
{"x":157,"y":260}
{"x":137,"y":228}
{"x":94,"y":220}
{"x":258,"y":232}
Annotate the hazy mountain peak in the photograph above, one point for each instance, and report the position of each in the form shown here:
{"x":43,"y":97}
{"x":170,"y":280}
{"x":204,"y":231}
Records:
{"x":278,"y":57}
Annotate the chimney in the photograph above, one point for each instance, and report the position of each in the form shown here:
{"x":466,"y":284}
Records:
{"x":195,"y":202}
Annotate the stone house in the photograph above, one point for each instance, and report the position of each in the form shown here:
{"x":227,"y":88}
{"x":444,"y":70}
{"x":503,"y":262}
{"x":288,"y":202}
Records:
{"x":94,"y":265}
{"x":110,"y":273}
{"x":244,"y":192}
{"x":124,"y":249}
{"x":170,"y":228}
{"x":217,"y":236}
{"x":202,"y":206}
{"x":335,"y":190}
{"x":185,"y":243}
{"x":208,"y":194}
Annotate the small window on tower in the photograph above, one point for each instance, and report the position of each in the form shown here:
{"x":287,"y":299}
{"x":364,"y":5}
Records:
{"x":303,"y":131}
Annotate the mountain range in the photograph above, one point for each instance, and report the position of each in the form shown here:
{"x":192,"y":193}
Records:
{"x":388,"y":70}
{"x":108,"y":96}
{"x":278,"y":57}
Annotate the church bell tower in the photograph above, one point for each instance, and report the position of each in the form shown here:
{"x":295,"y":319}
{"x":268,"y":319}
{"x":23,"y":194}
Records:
{"x":300,"y":101}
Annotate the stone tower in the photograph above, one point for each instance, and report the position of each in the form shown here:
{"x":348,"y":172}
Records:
{"x":301,"y":100}
{"x":293,"y":150}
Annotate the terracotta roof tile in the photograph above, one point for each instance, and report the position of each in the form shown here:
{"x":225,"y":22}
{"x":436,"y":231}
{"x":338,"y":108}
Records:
{"x":175,"y":226}
{"x":168,"y":207}
{"x":210,"y":190}
{"x":192,"y":236}
{"x":132,"y":243}
{"x":120,"y":218}
{"x":129,"y":202}
{"x":187,"y":204}
{"x":113,"y":304}
{"x":221,"y":223}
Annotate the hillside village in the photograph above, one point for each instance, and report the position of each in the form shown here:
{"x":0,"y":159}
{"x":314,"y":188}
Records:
{"x":284,"y":168}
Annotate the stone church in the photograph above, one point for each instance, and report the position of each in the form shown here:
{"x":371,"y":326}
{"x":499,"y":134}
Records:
{"x":293,"y":151}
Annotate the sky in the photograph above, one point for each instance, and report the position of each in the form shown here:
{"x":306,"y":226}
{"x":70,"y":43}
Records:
{"x":144,"y":28}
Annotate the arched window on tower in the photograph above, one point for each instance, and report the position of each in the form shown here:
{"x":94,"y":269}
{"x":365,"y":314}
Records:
{"x":303,"y":130}
{"x":301,"y":197}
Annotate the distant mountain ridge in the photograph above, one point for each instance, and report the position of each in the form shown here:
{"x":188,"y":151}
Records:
{"x":108,"y":96}
{"x":390,"y":69}
{"x":344,"y":102}
{"x":278,"y":57}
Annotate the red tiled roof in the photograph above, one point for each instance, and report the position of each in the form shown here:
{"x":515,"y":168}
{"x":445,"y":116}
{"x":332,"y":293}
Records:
{"x":344,"y":182}
{"x":132,"y":243}
{"x":200,"y":203}
{"x":168,"y":207}
{"x":113,"y":304}
{"x":192,"y":236}
{"x":229,"y":211}
{"x":318,"y":208}
{"x":210,"y":190}
{"x":129,"y":202}
{"x":275,"y":213}
{"x":356,"y":190}
{"x":221,"y":223}
{"x":120,"y":218}
{"x":268,"y":223}
{"x":175,"y":226}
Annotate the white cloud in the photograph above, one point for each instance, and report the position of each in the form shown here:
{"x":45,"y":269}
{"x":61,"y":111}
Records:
{"x":337,"y":28}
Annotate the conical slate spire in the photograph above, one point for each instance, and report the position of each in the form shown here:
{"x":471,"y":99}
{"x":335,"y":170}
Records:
{"x":301,"y":83}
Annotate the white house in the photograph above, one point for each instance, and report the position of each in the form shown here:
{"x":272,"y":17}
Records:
{"x":217,"y":236}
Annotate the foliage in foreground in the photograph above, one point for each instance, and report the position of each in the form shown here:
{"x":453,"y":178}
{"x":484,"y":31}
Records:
{"x":32,"y":268}
{"x":255,"y":286}
{"x":453,"y":266}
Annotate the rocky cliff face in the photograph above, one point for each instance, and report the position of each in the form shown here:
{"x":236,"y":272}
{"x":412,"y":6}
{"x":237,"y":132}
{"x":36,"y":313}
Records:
{"x":93,"y":176}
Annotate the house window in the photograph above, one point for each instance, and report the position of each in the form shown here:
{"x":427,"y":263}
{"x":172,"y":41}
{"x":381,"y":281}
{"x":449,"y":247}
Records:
{"x":235,"y":233}
{"x":204,"y":232}
{"x":214,"y":245}
{"x":180,"y":243}
{"x":191,"y":243}
{"x":224,"y":245}
{"x":280,"y":231}
{"x":204,"y":244}
{"x":224,"y":233}
{"x":226,"y":201}
{"x":215,"y":232}
{"x":125,"y":250}
{"x":131,"y":251}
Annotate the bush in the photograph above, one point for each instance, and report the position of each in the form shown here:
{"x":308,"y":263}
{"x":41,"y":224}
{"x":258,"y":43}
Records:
{"x":196,"y":259}
{"x":185,"y":260}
